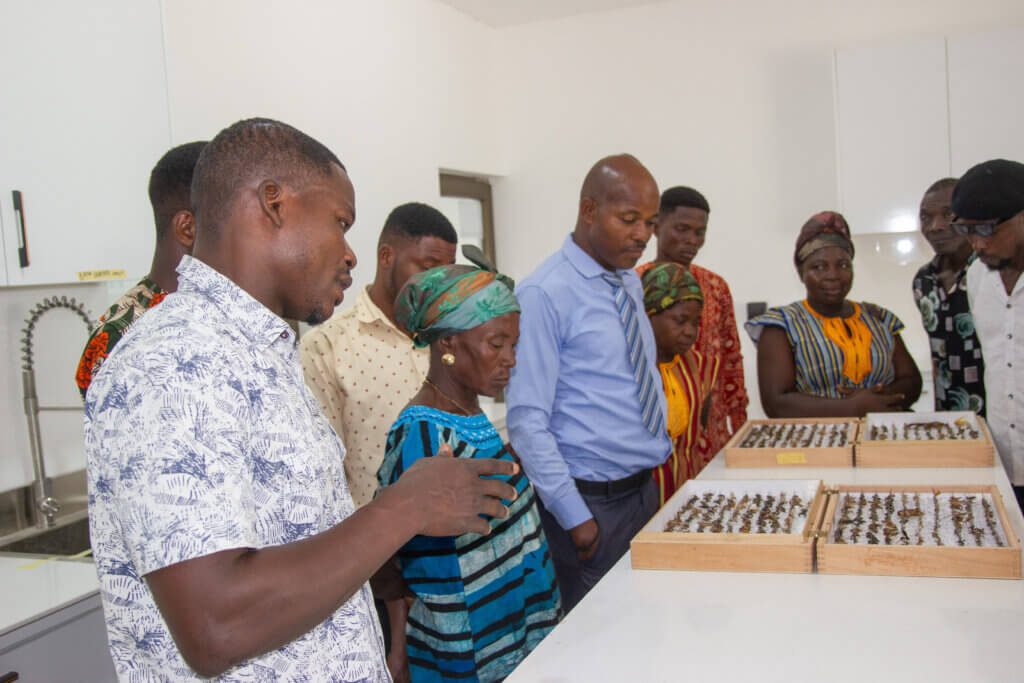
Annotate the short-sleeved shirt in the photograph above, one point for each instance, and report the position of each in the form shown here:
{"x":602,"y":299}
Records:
{"x":958,"y":369}
{"x":1000,"y":321}
{"x":363,"y":370}
{"x":201,"y":436}
{"x":112,"y":326}
{"x":817,"y":360}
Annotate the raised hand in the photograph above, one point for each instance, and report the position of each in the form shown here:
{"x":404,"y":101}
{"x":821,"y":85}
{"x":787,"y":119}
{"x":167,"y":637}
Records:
{"x":451,"y":494}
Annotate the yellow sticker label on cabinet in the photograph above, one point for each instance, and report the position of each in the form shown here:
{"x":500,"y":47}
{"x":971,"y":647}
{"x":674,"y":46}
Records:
{"x":108,"y":274}
{"x":791,"y":458}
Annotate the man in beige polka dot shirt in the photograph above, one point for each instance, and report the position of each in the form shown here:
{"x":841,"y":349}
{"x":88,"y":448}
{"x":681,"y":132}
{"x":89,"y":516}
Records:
{"x":361,"y":367}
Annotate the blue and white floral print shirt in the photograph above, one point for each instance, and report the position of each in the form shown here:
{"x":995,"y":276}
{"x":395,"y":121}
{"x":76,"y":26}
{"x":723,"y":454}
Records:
{"x":201,"y":436}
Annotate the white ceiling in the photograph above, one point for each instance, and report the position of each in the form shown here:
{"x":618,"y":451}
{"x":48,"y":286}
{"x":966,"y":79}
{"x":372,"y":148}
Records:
{"x":499,"y":13}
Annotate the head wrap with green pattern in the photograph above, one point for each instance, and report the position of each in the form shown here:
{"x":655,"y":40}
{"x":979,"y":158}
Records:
{"x":666,"y":284}
{"x":446,"y":300}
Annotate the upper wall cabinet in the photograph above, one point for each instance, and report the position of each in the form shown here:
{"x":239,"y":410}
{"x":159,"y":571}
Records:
{"x":893,"y":131}
{"x":84,"y":119}
{"x":986,"y":98}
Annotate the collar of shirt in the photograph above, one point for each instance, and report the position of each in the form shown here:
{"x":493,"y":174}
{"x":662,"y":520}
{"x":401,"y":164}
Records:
{"x":931,"y":269}
{"x":584,"y":263}
{"x":369,"y":313}
{"x":253,"y":320}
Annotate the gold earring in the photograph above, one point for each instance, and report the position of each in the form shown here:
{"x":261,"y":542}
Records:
{"x":448,"y":359}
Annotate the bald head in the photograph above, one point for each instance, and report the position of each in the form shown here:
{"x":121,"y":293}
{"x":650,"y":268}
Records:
{"x":613,"y":176}
{"x":617,"y":212}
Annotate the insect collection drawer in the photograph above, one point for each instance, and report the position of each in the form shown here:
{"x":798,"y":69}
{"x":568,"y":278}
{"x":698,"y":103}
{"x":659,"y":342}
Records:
{"x":747,"y":526}
{"x":957,"y":530}
{"x":815,"y":442}
{"x":945,"y":439}
{"x":954,"y":531}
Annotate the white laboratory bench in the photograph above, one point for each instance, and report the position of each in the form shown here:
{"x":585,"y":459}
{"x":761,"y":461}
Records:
{"x":51,"y":621}
{"x":645,"y":625}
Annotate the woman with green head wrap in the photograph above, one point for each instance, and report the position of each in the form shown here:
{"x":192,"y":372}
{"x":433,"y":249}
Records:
{"x":673,"y":302}
{"x":480,"y":603}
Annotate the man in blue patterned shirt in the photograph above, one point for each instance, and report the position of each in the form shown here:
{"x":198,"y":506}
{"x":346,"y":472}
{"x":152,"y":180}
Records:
{"x":225,"y":538}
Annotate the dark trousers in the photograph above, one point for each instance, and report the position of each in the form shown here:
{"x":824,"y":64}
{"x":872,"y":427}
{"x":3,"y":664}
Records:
{"x":1019,"y":492}
{"x":619,"y":518}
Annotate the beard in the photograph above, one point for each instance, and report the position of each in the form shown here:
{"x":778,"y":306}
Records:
{"x":315,"y":318}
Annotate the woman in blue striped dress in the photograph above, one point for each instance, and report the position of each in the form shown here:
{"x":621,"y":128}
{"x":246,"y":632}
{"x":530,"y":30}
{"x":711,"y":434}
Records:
{"x":479,"y":604}
{"x":827,"y":356}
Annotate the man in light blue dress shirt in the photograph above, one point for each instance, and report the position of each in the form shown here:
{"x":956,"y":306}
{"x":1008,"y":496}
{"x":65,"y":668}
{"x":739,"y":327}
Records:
{"x":575,"y":414}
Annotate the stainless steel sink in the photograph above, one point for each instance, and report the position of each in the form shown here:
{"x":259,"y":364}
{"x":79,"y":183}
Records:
{"x":69,"y":538}
{"x":69,"y":534}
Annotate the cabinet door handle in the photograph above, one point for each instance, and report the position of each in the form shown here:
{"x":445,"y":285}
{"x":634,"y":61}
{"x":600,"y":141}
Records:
{"x":19,"y":214}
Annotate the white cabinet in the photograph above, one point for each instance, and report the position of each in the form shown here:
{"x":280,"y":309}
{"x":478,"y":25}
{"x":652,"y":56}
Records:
{"x":985,"y":98}
{"x":84,"y":118}
{"x":893,"y":131}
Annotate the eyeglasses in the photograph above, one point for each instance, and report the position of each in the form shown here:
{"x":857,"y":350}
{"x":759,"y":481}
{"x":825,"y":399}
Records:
{"x":986,"y":229}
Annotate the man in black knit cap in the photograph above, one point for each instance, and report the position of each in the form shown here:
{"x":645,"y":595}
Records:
{"x":988,"y":205}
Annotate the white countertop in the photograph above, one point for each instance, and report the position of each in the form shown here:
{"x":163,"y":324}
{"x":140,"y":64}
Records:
{"x":644,"y":625}
{"x":31,"y":590}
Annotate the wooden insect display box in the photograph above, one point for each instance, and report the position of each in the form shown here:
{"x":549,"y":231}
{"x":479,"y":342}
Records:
{"x":951,"y":531}
{"x":815,"y":442}
{"x":803,"y":526}
{"x":745,"y":526}
{"x":942,"y":439}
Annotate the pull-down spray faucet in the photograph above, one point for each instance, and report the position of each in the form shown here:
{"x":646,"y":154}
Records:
{"x":46,"y":505}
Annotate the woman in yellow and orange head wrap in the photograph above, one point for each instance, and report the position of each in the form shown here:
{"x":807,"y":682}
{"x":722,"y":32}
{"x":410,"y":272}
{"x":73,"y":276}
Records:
{"x":673,"y":302}
{"x":826,"y":355}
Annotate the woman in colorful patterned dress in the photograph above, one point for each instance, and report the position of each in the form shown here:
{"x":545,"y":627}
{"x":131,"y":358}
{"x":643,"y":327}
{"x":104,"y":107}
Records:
{"x":827,"y":356}
{"x":683,"y":216}
{"x":480,"y":603}
{"x":674,"y":303}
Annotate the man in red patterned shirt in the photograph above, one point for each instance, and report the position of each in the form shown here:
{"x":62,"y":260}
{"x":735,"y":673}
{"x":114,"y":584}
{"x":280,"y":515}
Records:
{"x":682,"y":226}
{"x":170,"y":184}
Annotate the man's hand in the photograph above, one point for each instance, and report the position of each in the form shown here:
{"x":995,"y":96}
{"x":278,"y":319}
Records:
{"x":586,"y":537}
{"x":450,"y":493}
{"x":398,"y":665}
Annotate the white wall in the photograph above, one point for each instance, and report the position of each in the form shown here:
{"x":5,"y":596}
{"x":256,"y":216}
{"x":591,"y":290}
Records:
{"x":735,"y":99}
{"x":396,"y":88}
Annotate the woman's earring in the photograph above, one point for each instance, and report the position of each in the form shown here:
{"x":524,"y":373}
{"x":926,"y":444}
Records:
{"x":448,"y":359}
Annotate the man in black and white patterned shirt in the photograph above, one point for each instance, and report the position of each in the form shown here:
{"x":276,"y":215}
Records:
{"x":940,"y":292}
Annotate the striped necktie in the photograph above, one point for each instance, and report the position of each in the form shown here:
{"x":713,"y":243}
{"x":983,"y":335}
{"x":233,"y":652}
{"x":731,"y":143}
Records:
{"x":645,"y":385}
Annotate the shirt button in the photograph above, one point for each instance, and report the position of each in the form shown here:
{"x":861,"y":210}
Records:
{"x":1011,"y":396}
{"x":1009,"y":336}
{"x":284,"y":335}
{"x":1009,"y":306}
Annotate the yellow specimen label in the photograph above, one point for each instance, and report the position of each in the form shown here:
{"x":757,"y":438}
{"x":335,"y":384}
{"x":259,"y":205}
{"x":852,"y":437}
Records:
{"x":791,"y":458}
{"x":108,"y":274}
